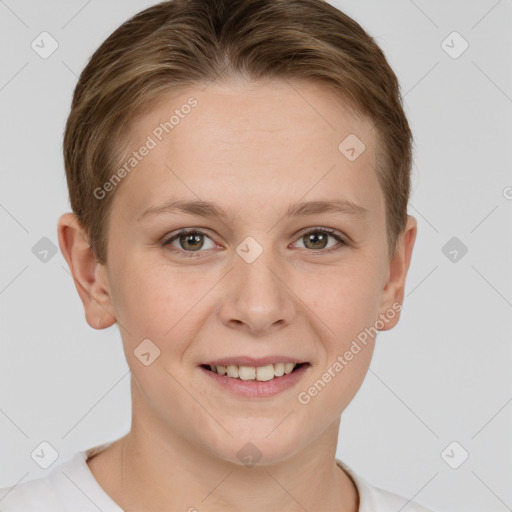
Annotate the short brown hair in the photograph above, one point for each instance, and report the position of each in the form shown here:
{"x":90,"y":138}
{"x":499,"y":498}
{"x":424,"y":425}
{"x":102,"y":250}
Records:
{"x":180,"y":43}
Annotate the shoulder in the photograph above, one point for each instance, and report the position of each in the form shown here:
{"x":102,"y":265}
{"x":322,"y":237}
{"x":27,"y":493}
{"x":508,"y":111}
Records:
{"x":68,"y":487}
{"x":35,"y":495}
{"x":375,"y":499}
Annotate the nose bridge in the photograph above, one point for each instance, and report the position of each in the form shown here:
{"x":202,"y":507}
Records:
{"x":258,"y":296}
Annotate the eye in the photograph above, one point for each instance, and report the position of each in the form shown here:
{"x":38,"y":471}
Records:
{"x":317,"y":239}
{"x":190,"y":241}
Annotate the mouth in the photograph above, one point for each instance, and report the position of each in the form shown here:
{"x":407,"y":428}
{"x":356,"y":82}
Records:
{"x":262,"y":373}
{"x":265,"y":379}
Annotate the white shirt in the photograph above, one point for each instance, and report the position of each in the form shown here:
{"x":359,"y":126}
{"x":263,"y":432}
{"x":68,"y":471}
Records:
{"x":71,"y":487}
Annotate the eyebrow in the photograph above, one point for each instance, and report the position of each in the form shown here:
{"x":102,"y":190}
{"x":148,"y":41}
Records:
{"x":209,"y":209}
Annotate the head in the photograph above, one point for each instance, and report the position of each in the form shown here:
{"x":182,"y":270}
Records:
{"x":248,"y":110}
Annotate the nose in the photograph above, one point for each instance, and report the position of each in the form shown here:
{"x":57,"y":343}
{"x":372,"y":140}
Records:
{"x":257,"y":297}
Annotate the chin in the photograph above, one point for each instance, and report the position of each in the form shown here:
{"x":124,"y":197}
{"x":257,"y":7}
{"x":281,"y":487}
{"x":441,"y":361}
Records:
{"x":257,"y":448}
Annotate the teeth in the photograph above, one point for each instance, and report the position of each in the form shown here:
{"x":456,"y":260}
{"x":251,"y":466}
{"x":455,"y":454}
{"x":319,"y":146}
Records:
{"x":259,"y":373}
{"x":265,"y":373}
{"x":288,"y":367}
{"x":233,"y":371}
{"x":279,"y":369}
{"x":247,"y":372}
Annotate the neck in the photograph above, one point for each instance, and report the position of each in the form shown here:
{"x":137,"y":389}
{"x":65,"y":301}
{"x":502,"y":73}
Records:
{"x":163,"y":470}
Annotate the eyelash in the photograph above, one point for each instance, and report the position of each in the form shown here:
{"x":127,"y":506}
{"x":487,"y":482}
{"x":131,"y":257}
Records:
{"x":195,"y":254}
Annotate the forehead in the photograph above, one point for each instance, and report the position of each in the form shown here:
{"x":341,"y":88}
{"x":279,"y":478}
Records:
{"x":263,"y":141}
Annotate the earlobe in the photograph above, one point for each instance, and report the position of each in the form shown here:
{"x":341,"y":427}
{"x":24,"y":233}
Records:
{"x":393,"y":291}
{"x":89,"y":276}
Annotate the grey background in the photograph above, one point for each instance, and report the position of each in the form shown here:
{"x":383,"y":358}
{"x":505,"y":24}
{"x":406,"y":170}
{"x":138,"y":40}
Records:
{"x":442,"y":375}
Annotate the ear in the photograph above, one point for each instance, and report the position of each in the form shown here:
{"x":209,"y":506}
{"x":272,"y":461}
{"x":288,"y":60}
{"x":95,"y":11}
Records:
{"x":90,"y":276}
{"x":393,"y":291}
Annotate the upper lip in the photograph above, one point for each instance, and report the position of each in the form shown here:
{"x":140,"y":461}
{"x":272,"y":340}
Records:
{"x":253,"y":361}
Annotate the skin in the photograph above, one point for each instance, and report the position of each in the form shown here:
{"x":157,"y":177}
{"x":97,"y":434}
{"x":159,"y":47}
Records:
{"x":253,"y":149}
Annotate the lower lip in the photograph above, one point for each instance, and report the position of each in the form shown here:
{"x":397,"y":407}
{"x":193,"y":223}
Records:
{"x":255,"y":388}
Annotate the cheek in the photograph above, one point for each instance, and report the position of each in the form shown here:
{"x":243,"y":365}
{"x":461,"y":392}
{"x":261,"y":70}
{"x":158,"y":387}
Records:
{"x":160,"y":302}
{"x":343,"y":380}
{"x":148,"y":301}
{"x":346,"y":299}
{"x":348,"y":354}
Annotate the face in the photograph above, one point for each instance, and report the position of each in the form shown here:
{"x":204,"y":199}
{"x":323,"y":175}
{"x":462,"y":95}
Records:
{"x":255,"y":279}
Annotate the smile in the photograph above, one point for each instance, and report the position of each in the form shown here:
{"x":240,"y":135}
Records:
{"x":255,"y":381}
{"x":259,"y":373}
